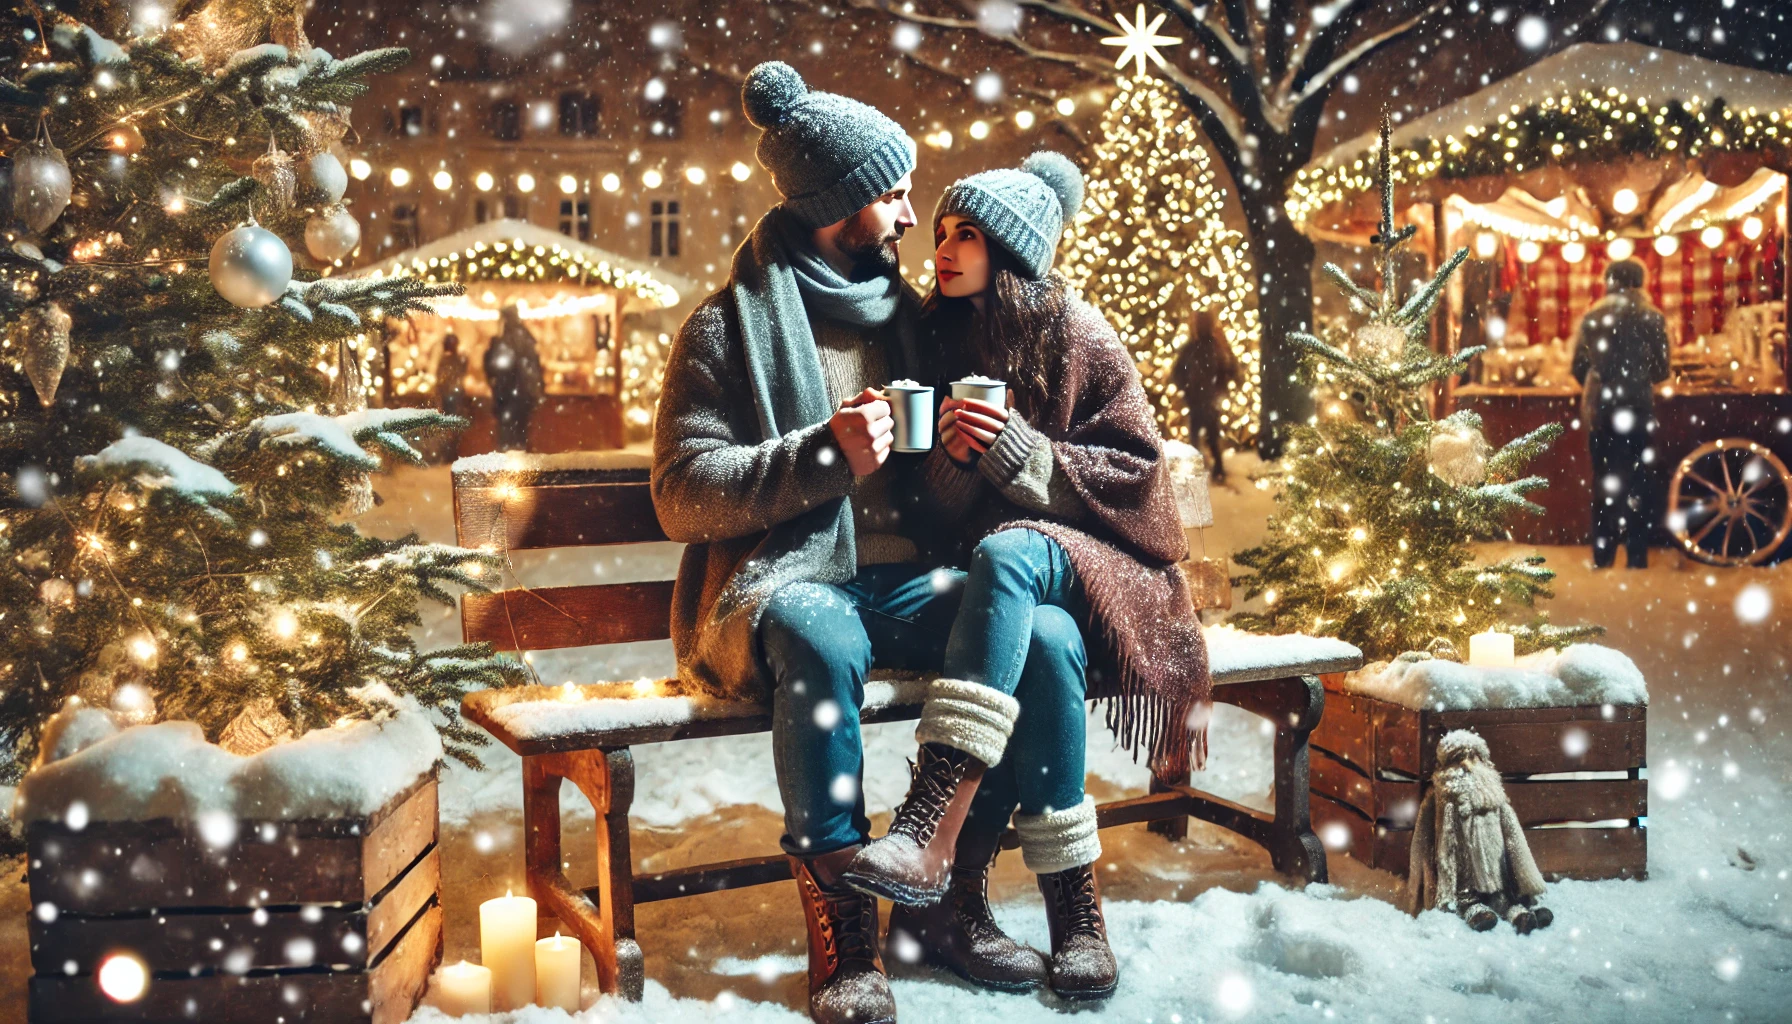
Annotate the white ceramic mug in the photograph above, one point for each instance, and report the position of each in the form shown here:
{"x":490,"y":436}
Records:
{"x":995,"y":393}
{"x":912,"y":409}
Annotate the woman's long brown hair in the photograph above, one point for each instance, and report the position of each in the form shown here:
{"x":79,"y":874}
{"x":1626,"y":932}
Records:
{"x":1018,"y":339}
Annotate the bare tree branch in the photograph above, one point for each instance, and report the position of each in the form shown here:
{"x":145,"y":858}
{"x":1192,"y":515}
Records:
{"x":1325,"y":18}
{"x":1362,"y":51}
{"x":1197,"y":20}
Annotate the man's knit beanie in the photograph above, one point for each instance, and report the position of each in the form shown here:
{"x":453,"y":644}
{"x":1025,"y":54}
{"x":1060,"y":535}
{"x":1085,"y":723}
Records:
{"x":1025,"y":210}
{"x":828,"y":155}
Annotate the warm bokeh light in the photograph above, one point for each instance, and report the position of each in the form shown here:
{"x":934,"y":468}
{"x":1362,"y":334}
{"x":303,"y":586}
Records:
{"x":1624,"y":201}
{"x":361,"y":169}
{"x":979,"y":129}
{"x":1573,"y":252}
{"x":695,"y":175}
{"x":123,"y":978}
{"x":652,"y":178}
{"x":740,"y":171}
{"x":400,"y":177}
{"x":1620,"y":248}
{"x":569,"y":184}
{"x":484,"y":181}
{"x":1712,"y":237}
{"x":443,"y":180}
{"x":611,"y":182}
{"x":1667,"y":245}
{"x":1529,"y":251}
{"x":525,"y":182}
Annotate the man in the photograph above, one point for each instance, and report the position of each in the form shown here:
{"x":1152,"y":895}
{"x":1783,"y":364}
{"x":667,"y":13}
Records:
{"x":813,"y":552}
{"x":1620,"y":354}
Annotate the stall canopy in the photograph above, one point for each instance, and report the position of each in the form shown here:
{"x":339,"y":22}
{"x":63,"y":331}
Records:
{"x":1596,"y":153}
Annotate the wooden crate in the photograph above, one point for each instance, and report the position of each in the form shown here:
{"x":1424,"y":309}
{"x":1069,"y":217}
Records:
{"x":1372,"y":763}
{"x":331,"y":920}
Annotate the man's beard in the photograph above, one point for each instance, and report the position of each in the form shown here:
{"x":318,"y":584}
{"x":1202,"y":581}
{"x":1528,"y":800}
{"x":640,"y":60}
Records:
{"x":872,"y":253}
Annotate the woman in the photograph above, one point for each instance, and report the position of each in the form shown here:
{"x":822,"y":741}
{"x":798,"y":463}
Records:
{"x":1076,"y":528}
{"x":1204,"y":369}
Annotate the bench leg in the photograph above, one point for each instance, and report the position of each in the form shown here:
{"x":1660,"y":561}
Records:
{"x":1173,"y":829}
{"x":1297,"y":850}
{"x":605,"y":927}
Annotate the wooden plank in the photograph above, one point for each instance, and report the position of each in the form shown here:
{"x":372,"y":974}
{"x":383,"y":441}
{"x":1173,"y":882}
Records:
{"x":350,"y":935}
{"x":1345,"y":730}
{"x":556,"y":617}
{"x":388,"y":994}
{"x":1590,"y":853}
{"x":1544,"y":803}
{"x":1399,"y":739}
{"x":1333,"y":821}
{"x":124,"y":867}
{"x":525,"y":517}
{"x":702,"y":878}
{"x":1538,"y":746}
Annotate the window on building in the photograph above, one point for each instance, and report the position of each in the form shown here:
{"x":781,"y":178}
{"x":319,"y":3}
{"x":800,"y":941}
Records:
{"x":507,"y":121}
{"x":410,"y":121}
{"x":662,"y":236}
{"x":575,"y":218}
{"x":404,"y":226}
{"x":579,"y":114}
{"x":481,"y":211}
{"x":664,"y":117}
{"x":515,"y":208}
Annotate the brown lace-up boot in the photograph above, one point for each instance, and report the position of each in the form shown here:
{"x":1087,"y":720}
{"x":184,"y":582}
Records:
{"x":960,"y":934}
{"x":1082,"y":965}
{"x":964,"y":728}
{"x":847,"y":984}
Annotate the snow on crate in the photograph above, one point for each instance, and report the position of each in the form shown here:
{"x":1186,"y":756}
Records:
{"x":169,"y":770}
{"x":1578,"y":676}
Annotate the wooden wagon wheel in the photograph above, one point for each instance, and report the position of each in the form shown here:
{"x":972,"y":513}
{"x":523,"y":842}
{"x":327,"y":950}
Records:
{"x":1730,"y":502}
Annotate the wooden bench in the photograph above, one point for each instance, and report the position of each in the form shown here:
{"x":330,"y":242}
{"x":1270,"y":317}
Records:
{"x":583,"y":734}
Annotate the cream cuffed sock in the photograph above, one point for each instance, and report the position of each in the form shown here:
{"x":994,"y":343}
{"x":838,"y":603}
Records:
{"x":1059,"y":840}
{"x":968,"y":716}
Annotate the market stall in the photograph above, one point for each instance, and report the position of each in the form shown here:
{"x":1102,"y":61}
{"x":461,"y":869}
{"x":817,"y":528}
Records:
{"x":1599,"y":153}
{"x":599,"y":367}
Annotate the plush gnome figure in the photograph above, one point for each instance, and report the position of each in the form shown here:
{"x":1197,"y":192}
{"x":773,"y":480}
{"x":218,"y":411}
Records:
{"x":1469,"y":853}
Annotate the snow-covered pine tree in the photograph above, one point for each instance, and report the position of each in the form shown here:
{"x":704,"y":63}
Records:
{"x":176,"y":467}
{"x":1150,"y":246}
{"x":1379,"y":502}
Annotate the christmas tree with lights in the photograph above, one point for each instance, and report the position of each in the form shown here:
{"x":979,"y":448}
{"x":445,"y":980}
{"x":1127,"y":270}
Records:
{"x":1371,"y":541}
{"x":184,"y":431}
{"x":1151,"y":246}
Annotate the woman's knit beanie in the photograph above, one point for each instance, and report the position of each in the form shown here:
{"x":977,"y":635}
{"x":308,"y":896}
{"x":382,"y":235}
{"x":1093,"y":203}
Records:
{"x":1025,"y":209}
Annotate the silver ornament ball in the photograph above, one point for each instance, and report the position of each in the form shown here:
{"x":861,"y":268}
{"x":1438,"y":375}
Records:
{"x":332,"y":234}
{"x":251,"y":266}
{"x":41,"y":185}
{"x":323,"y":181}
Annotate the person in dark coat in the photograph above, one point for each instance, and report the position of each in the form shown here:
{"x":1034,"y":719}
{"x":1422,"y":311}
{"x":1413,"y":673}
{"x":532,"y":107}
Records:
{"x":451,"y":374}
{"x":513,"y":369}
{"x":1620,"y":354}
{"x":1204,"y":368}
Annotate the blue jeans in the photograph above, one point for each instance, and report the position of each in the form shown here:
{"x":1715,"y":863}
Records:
{"x":1017,"y":632}
{"x":819,"y":642}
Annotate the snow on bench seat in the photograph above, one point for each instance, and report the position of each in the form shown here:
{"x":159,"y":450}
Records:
{"x":545,"y":719}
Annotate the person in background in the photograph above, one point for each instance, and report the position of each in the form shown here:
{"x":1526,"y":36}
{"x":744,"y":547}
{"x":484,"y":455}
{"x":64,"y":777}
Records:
{"x":1620,"y":354}
{"x":1204,"y":368}
{"x":451,"y":375}
{"x":513,"y":369}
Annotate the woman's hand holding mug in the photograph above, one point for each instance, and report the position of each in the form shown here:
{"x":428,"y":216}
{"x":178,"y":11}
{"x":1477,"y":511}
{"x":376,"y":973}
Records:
{"x":969,"y":426}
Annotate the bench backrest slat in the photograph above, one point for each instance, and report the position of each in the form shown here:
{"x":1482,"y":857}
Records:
{"x":521,"y":518}
{"x":551,"y":618}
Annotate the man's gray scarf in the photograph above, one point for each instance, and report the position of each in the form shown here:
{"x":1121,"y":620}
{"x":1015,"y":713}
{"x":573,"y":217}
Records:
{"x":776,"y":270}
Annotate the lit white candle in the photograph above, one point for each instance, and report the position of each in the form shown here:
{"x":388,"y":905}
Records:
{"x":507,"y":946}
{"x":464,"y":988}
{"x":557,"y":973}
{"x":1491,"y":650}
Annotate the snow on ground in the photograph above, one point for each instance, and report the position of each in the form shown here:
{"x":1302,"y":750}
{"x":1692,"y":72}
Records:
{"x":1205,"y":929}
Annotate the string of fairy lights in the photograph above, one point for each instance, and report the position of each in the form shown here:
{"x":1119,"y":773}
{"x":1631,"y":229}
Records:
{"x":1151,"y":246}
{"x":1586,"y":127}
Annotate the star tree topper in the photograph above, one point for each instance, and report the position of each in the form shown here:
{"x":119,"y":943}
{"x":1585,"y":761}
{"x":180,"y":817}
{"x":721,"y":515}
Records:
{"x":1140,"y":41}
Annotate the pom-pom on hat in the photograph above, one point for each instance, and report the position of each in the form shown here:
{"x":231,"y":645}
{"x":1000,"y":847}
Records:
{"x":1025,"y":209}
{"x":828,"y":155}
